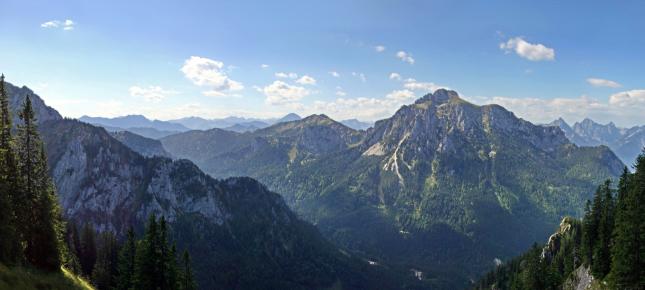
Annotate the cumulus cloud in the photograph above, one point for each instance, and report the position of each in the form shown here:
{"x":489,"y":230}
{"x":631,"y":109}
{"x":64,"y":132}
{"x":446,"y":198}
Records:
{"x":596,"y":82}
{"x":334,"y":74}
{"x":401,"y":95}
{"x":361,"y":108}
{"x":68,"y":24}
{"x":412,"y":84}
{"x":395,"y":76}
{"x":264,"y":66}
{"x":281,"y":93}
{"x":527,"y":50}
{"x":286,"y":75}
{"x":624,"y":108}
{"x":206,"y":72}
{"x":306,"y":80}
{"x":379,"y":48}
{"x":153,"y":94}
{"x":360,"y":76}
{"x":628,"y":99}
{"x":405,"y":56}
{"x":341,"y":93}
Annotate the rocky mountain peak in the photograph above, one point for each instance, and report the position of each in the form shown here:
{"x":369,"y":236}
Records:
{"x":439,"y":96}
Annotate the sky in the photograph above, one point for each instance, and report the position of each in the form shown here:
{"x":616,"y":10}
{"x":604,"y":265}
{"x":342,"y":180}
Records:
{"x":347,"y":59}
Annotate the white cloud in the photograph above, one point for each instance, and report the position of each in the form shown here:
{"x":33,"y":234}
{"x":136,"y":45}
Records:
{"x":306,"y":80}
{"x":281,"y":93}
{"x":286,"y":75}
{"x":360,"y":76}
{"x":206,"y":72}
{"x":530,"y":51}
{"x":603,"y":83}
{"x":264,"y":66}
{"x":412,"y":84}
{"x":631,"y":99}
{"x":341,"y":93}
{"x":153,"y":94}
{"x":395,"y":76}
{"x":401,"y":95}
{"x":624,"y":108}
{"x":404,"y":56}
{"x":50,"y":24}
{"x":360,"y":108}
{"x":68,"y":24}
{"x":334,"y":74}
{"x":379,"y":48}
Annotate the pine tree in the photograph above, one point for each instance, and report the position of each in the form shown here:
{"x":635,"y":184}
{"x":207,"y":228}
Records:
{"x":168,"y":264}
{"x":602,"y":248}
{"x":37,"y":206}
{"x":147,"y":259}
{"x":9,"y":237}
{"x":187,"y":282}
{"x":74,"y":246}
{"x":156,"y":262}
{"x":126,"y":267}
{"x":626,"y":257}
{"x":586,"y":247}
{"x":87,"y":254}
{"x":105,"y":269}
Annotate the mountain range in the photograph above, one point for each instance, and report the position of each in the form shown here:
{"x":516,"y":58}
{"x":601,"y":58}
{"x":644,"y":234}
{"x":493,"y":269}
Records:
{"x":428,"y":198}
{"x":627,"y":143}
{"x":232,"y":227}
{"x":443,"y":186}
{"x":157,"y":129}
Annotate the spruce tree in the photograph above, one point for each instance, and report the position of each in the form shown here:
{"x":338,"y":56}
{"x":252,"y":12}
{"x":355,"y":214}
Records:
{"x":105,"y":269}
{"x":627,"y":260}
{"x":126,"y":267}
{"x":87,"y":253}
{"x":147,"y":259}
{"x":602,"y":248}
{"x":37,"y":208}
{"x":9,"y":237}
{"x":187,"y":282}
{"x":587,"y":243}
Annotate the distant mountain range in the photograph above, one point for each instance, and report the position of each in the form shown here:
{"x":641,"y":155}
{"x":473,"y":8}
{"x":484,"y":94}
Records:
{"x":443,"y":186}
{"x":627,"y":143}
{"x":157,"y":129}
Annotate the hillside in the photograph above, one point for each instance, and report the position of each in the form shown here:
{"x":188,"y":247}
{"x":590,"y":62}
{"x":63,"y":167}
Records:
{"x":601,"y":251}
{"x":23,"y":279}
{"x":444,"y":187}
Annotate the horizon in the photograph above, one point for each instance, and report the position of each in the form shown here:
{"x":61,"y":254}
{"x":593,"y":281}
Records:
{"x":360,"y":60}
{"x":303,"y":116}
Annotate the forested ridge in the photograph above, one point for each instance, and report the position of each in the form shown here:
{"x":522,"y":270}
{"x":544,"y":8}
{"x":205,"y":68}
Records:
{"x":607,"y":245}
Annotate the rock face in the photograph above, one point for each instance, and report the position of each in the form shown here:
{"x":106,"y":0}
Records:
{"x":555,"y":240}
{"x":142,"y":145}
{"x":443,"y":186}
{"x":17,"y":98}
{"x":580,"y":280}
{"x":627,"y":143}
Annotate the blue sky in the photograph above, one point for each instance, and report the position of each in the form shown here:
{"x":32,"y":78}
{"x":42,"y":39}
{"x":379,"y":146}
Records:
{"x":540,"y":59}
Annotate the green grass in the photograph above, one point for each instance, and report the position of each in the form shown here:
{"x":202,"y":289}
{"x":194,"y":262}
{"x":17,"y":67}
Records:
{"x":25,"y":279}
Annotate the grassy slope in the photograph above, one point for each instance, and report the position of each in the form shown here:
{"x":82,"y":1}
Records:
{"x":24,"y":279}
